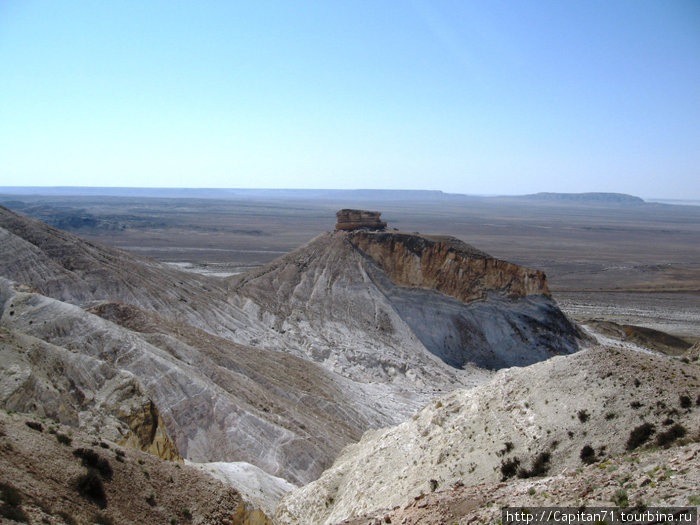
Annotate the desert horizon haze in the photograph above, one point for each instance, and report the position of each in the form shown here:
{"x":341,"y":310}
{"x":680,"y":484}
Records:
{"x":501,"y":97}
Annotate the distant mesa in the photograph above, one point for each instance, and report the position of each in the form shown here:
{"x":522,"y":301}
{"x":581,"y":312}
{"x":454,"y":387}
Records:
{"x":355,"y":219}
{"x":586,"y":198}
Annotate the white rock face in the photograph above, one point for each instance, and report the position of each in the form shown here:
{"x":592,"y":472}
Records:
{"x":255,"y":485}
{"x":555,"y":407}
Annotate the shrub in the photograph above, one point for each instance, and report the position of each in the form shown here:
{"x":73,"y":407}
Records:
{"x":151,"y":500}
{"x":63,"y":439}
{"x":635,"y":405}
{"x":540,"y":466}
{"x":10,"y":495}
{"x":92,"y":459}
{"x":583,"y":416}
{"x":509,"y":467}
{"x":101,"y":519}
{"x":587,"y":455}
{"x":685,"y":401}
{"x":186,"y":513}
{"x":640,"y":435}
{"x":673,"y":433}
{"x":35,"y":425}
{"x":68,"y":518}
{"x":89,"y":485}
{"x":12,"y":508}
{"x":610,"y":415}
{"x":507,"y":447}
{"x":620,"y":498}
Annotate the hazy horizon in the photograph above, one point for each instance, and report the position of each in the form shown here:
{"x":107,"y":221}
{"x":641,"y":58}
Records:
{"x":497,"y":98}
{"x":113,"y":190}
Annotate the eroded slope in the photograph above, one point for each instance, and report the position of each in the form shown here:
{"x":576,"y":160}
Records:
{"x":527,"y":421}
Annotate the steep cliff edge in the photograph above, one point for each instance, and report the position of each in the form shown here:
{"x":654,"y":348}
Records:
{"x":447,"y":265}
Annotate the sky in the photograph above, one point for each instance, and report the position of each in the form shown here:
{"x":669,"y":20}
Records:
{"x":465,"y":96}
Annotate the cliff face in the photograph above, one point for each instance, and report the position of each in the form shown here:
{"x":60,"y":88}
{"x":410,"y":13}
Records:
{"x":373,"y":304}
{"x":354,"y":219}
{"x":448,"y":266}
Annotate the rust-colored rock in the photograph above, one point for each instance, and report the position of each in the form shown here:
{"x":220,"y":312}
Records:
{"x":354,"y":219}
{"x":148,"y":433}
{"x":447,"y":265}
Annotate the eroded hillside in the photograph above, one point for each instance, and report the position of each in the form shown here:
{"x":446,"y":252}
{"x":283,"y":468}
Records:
{"x":527,"y":422}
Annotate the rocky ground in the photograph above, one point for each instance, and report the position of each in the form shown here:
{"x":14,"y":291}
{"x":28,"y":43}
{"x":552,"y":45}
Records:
{"x":649,"y":477}
{"x":56,"y":474}
{"x":545,"y":419}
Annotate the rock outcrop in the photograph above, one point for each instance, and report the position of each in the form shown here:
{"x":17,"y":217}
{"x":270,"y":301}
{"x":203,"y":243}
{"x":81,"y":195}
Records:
{"x":355,"y":219}
{"x":376,"y":305}
{"x":447,"y":265}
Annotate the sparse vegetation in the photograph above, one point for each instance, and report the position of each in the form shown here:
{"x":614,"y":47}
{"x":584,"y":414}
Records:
{"x":12,"y":508}
{"x":640,"y":435}
{"x":35,"y":425}
{"x":101,"y":519}
{"x":507,"y":447}
{"x":675,"y":432}
{"x":620,"y":498}
{"x":509,"y":468}
{"x":92,"y":459}
{"x":68,"y":518}
{"x":89,"y":485}
{"x":540,"y":466}
{"x":587,"y":455}
{"x":63,"y":439}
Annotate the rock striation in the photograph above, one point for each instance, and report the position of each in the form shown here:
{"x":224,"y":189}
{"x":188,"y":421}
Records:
{"x":374,"y":306}
{"x":349,"y":219}
{"x":447,"y":265}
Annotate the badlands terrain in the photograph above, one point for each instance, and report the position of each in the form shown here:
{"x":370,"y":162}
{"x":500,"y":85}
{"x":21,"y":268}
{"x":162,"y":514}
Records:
{"x":347,"y":375}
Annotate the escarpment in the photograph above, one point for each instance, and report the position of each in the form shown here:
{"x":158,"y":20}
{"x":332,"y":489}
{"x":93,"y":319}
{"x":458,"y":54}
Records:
{"x":373,"y":303}
{"x":447,"y":265}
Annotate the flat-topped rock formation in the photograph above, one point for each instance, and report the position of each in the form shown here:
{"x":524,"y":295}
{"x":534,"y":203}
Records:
{"x":354,"y":219}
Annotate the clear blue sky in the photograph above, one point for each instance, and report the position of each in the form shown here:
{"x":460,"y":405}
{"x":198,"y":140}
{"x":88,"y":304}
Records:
{"x":483,"y":97}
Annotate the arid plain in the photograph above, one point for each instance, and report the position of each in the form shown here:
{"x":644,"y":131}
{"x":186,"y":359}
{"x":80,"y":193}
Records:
{"x":607,"y":257}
